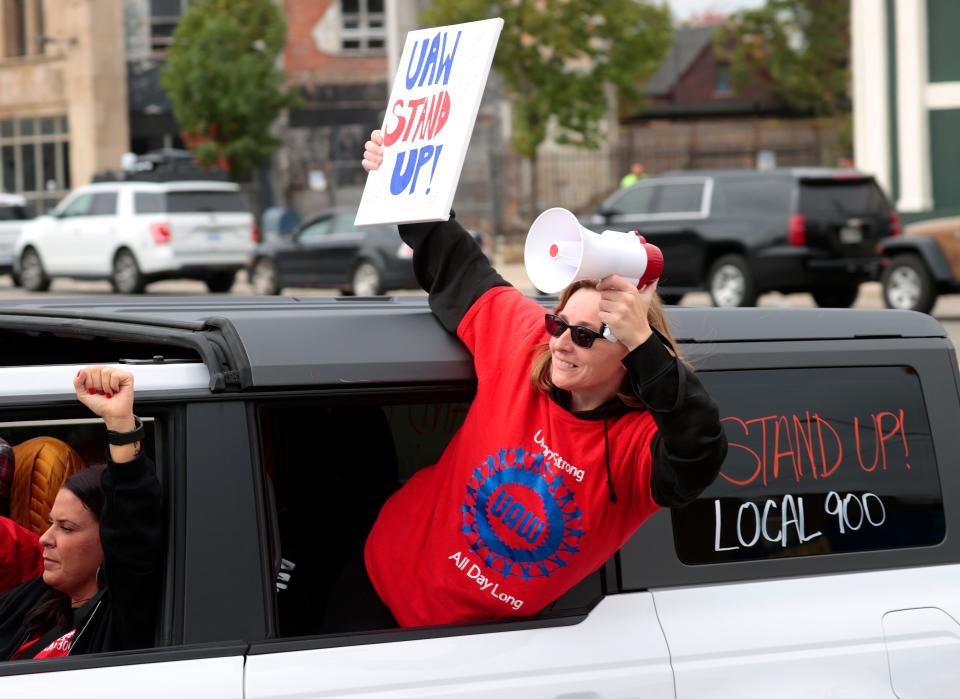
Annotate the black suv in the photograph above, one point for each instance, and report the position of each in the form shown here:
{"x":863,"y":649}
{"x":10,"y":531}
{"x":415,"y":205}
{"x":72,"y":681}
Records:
{"x":740,"y":233}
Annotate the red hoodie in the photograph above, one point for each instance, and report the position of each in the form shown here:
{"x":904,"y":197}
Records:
{"x":517,"y":510}
{"x":21,"y":555}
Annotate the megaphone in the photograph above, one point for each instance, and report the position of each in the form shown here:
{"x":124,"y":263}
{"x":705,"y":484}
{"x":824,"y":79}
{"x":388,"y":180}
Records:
{"x":560,"y":251}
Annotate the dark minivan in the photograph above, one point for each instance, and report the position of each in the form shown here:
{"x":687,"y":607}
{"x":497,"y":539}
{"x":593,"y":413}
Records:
{"x":329,"y":251}
{"x":740,"y":233}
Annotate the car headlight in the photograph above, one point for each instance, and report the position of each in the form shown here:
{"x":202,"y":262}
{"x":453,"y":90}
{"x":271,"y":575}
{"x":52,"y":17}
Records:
{"x":405,"y":252}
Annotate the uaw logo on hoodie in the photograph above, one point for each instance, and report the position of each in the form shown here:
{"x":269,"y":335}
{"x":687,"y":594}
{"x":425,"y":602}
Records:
{"x":519,"y":516}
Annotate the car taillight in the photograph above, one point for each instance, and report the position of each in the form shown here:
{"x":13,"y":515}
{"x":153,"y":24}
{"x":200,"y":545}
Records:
{"x":894,"y":224}
{"x":255,"y":233}
{"x":160,"y":232}
{"x":797,"y":230}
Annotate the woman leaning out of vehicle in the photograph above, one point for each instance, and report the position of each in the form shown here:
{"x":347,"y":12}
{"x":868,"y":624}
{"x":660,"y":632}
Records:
{"x":101,"y":554}
{"x":572,"y":441}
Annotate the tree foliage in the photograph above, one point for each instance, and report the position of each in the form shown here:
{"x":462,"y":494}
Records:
{"x":802,"y":47}
{"x":222,"y":77}
{"x":556,"y":58}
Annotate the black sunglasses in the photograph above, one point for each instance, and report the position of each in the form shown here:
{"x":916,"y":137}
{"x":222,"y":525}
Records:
{"x":581,"y":335}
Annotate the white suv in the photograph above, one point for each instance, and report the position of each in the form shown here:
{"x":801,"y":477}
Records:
{"x":13,"y":214}
{"x":133,"y":233}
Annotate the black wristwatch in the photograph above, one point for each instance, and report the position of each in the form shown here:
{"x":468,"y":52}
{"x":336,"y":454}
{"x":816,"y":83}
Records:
{"x":119,"y":439}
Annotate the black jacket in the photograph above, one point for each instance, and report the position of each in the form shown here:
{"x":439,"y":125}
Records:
{"x":690,"y":444}
{"x":123,"y":614}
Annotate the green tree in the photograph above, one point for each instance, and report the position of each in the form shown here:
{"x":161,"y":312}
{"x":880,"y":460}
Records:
{"x":557,"y":57}
{"x":222,"y":77}
{"x":801,"y":47}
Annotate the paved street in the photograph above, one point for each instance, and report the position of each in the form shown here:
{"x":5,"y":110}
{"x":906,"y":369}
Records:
{"x":947,"y":310}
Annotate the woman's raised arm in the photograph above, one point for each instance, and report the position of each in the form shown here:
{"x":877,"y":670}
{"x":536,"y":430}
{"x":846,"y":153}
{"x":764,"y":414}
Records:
{"x":448,"y":262}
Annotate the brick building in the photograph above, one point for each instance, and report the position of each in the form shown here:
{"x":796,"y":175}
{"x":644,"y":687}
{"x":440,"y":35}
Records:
{"x":695,"y":116}
{"x":336,"y":57}
{"x":694,"y":80}
{"x":342,"y":56}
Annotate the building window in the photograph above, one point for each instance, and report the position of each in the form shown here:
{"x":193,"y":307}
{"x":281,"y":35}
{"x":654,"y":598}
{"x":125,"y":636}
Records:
{"x":35,"y":160}
{"x":22,"y":27}
{"x":721,"y":78}
{"x":364,"y":26}
{"x":15,"y":29}
{"x":164,"y":15}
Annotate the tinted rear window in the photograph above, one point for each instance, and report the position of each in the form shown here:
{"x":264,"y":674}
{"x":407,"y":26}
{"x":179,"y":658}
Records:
{"x":812,"y":472}
{"x":838,"y":197}
{"x":12,"y":213}
{"x":189,"y":202}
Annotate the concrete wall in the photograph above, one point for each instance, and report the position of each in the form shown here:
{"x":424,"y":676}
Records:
{"x":96,"y":74}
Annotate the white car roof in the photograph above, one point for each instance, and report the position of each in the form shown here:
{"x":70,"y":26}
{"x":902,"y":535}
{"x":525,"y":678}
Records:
{"x":179,"y":186}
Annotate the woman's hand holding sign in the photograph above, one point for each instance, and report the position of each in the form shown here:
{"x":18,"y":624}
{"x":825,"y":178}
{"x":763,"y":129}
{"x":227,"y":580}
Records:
{"x":373,"y":152}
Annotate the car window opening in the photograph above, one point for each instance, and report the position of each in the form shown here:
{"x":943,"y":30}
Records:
{"x":329,"y":469}
{"x":37,"y":456}
{"x":21,"y":349}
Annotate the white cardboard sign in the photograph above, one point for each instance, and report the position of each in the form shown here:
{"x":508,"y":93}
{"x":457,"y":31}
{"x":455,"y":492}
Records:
{"x":433,"y":105}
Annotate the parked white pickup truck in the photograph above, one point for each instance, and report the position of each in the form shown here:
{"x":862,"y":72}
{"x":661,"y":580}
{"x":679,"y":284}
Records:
{"x":13,"y":213}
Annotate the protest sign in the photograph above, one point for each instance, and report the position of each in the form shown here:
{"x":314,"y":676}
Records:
{"x":433,"y":105}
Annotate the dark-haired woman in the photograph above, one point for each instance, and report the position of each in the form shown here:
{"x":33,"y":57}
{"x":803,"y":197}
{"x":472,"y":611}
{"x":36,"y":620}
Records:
{"x":101,"y":554}
{"x":572,"y":441}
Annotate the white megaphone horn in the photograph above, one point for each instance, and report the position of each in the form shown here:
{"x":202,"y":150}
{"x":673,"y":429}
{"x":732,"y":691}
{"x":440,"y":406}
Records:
{"x":560,"y":251}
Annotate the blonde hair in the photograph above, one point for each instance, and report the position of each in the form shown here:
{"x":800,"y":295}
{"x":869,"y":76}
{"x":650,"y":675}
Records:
{"x":542,"y":362}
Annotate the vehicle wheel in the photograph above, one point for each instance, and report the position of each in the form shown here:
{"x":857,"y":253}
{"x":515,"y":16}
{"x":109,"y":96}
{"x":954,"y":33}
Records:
{"x":32,"y":275}
{"x":907,"y":285}
{"x":366,"y":280}
{"x":15,"y":278}
{"x":263,"y":278}
{"x":126,"y":277}
{"x":730,"y":282}
{"x":836,"y":296}
{"x":220,"y":282}
{"x":671,"y":299}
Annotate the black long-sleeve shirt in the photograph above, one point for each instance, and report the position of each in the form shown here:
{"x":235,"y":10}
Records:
{"x":122,"y":616}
